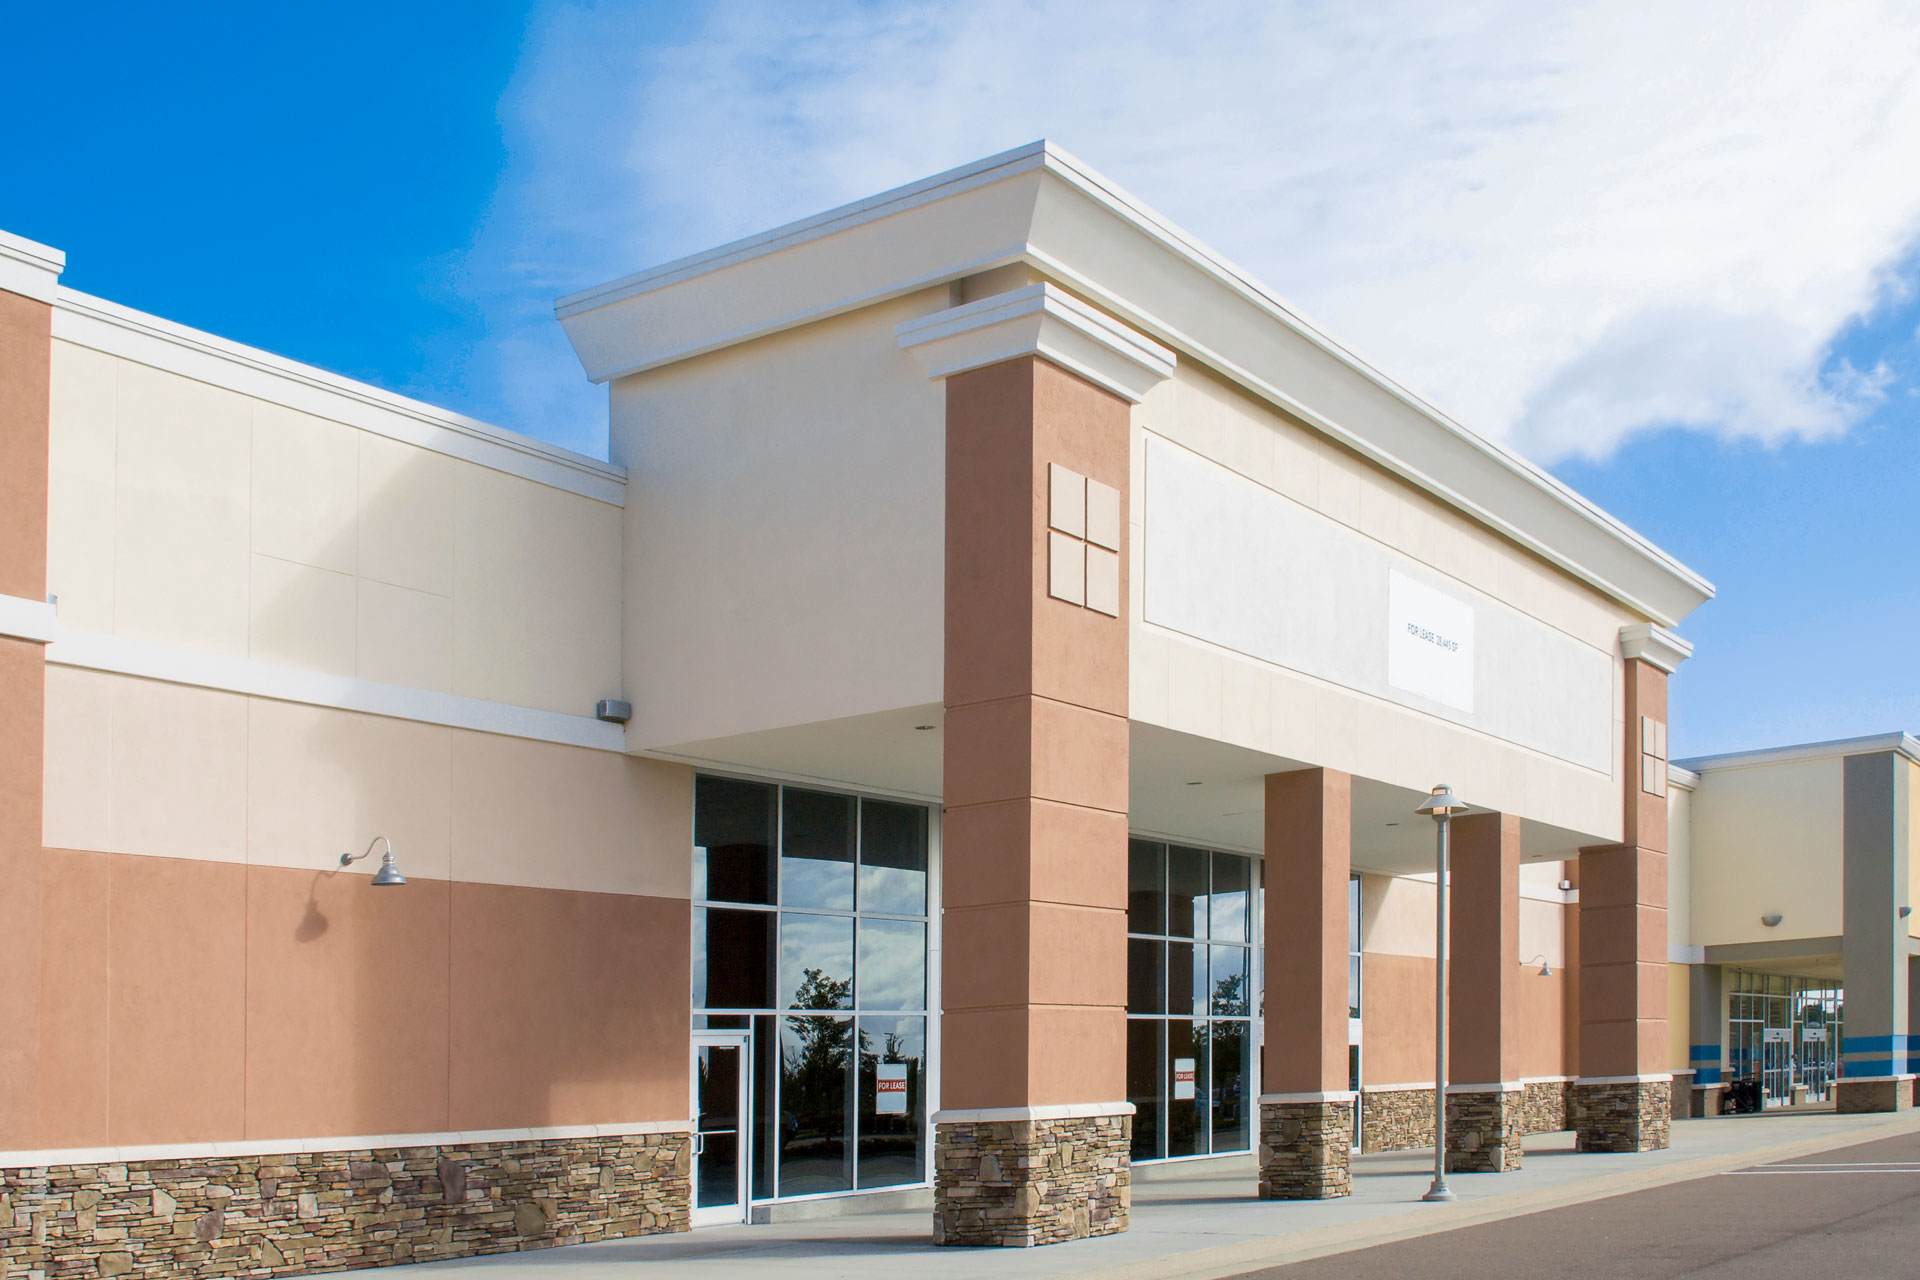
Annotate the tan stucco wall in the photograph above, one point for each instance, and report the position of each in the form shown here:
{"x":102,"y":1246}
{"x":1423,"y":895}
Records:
{"x":1765,"y":840}
{"x":147,"y":768}
{"x":1679,"y":1018}
{"x":1202,"y":689}
{"x":194,"y":516}
{"x":1679,"y":866}
{"x":1913,"y":847}
{"x":785,"y":530}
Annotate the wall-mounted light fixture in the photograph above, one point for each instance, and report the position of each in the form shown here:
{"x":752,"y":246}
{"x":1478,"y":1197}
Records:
{"x":1546,"y":970}
{"x":1905,"y":912}
{"x":388,"y":874}
{"x":1770,"y":921}
{"x":613,"y":710}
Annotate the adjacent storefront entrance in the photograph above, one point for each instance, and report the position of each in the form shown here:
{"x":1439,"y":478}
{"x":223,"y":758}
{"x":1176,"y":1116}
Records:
{"x":1785,"y":1032}
{"x":722,"y":1117}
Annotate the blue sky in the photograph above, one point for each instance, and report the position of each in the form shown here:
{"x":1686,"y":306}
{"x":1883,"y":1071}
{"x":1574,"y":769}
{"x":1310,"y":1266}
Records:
{"x":1670,"y":257}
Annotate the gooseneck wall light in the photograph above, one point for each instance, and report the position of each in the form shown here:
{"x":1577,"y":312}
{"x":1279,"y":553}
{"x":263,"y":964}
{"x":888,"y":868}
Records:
{"x":388,"y":874}
{"x":1441,"y":806}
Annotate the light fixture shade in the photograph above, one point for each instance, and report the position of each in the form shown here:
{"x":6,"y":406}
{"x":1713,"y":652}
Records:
{"x":1442,"y":803}
{"x":388,"y":874}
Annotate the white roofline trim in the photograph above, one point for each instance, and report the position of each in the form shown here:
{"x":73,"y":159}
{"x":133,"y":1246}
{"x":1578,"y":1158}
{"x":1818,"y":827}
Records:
{"x":1900,"y":743}
{"x":1044,"y":156}
{"x":1042,"y":320}
{"x":1651,"y":643}
{"x":118,"y":655}
{"x":24,"y":619}
{"x":146,"y":339}
{"x":1685,"y":779}
{"x":29,"y":268}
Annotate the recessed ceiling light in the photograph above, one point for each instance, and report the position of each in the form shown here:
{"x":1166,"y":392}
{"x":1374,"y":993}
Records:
{"x":1393,"y":824}
{"x":1193,"y":784}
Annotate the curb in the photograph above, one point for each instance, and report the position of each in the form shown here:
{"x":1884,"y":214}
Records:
{"x":1425,"y":1220}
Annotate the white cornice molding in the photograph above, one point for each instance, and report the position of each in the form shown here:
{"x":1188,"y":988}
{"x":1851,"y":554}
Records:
{"x":1038,"y":319}
{"x":133,"y":335}
{"x":1651,"y":643}
{"x":1039,"y":206}
{"x":25,"y":619}
{"x":1685,"y":779}
{"x":147,"y":660}
{"x":1899,"y":743}
{"x":29,"y":268}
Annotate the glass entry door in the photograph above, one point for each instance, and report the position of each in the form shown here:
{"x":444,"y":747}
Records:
{"x":721,"y":1122}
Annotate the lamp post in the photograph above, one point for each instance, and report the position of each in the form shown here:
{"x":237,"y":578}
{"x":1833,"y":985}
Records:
{"x":1440,"y":806}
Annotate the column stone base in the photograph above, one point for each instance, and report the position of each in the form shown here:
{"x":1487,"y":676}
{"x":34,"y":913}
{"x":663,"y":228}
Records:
{"x":1873,"y":1093}
{"x":1306,"y":1150}
{"x":1029,"y":1182}
{"x":1624,"y":1115}
{"x":1483,"y":1130}
{"x":1708,"y":1100}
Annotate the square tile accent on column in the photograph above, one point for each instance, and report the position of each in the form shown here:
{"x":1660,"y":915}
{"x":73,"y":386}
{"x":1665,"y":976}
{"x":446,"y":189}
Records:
{"x":1067,"y":568}
{"x":1103,"y":581}
{"x":1653,"y":756}
{"x":1067,"y":500}
{"x":1103,"y":515}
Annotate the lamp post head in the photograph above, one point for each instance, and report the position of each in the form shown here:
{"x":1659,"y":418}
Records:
{"x":1442,"y":803}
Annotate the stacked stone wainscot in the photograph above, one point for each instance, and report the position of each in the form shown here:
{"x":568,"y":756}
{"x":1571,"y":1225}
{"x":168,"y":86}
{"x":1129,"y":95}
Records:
{"x":1628,"y":1115}
{"x":302,"y":1213}
{"x":1031,"y":1181}
{"x":1306,"y":1149}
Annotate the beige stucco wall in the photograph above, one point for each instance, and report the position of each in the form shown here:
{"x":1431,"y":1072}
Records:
{"x":1679,"y":866}
{"x":1679,"y":1018}
{"x":143,"y":767}
{"x":194,"y":516}
{"x":1766,"y":839}
{"x":1913,"y":845}
{"x":785,"y":530}
{"x":1199,"y":688}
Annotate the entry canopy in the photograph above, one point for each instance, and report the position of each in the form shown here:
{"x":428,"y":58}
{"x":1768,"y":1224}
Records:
{"x":1040,"y":207}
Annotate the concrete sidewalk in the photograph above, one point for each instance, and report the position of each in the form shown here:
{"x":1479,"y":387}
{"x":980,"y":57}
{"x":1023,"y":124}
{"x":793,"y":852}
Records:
{"x":1199,"y":1219}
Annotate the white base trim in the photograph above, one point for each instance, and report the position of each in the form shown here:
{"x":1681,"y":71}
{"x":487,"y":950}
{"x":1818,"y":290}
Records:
{"x":1650,"y":1079}
{"x":1420,"y":1086}
{"x":1066,"y":1111}
{"x":1495,"y":1086}
{"x":1548,"y":1079}
{"x":1284,"y":1099}
{"x":25,"y":619}
{"x":362,"y":1142}
{"x":121,"y":656}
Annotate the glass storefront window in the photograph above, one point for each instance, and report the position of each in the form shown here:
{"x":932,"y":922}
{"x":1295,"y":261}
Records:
{"x":810,"y":928}
{"x":1190,"y":979}
{"x":733,"y":841}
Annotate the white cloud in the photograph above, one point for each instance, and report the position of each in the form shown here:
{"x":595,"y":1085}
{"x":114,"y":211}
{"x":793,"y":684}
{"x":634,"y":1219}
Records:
{"x":1561,"y":223}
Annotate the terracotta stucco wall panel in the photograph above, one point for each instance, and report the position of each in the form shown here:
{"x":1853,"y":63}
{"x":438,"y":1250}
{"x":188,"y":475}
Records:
{"x":996,"y":942}
{"x":1078,"y":956}
{"x":988,"y":856}
{"x":1076,"y":1052}
{"x":566,"y":1007}
{"x":26,"y":363}
{"x":1309,"y":857}
{"x":989,"y":561}
{"x":22,"y":673}
{"x":75,"y":978}
{"x":1540,"y":1007}
{"x":1079,"y":756}
{"x":1485,"y":934}
{"x":1396,"y":1019}
{"x":988,"y":752}
{"x":346,"y":1005}
{"x":1079,"y":855}
{"x":993,"y":1064}
{"x":177,"y":947}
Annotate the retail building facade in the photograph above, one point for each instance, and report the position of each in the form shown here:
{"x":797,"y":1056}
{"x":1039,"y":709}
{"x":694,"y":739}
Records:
{"x":1033,"y":639}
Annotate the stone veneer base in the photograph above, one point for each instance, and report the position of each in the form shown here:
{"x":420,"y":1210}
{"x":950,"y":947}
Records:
{"x":1402,"y":1119}
{"x":1630,"y":1115}
{"x":304,"y":1212}
{"x":1031,"y":1182}
{"x":1306,"y":1150}
{"x":1484,"y":1130}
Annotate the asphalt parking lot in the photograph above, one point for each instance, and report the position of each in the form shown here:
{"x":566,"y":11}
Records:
{"x":1851,"y":1211}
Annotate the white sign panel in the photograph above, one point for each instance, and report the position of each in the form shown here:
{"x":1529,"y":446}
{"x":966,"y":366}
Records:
{"x":1183,"y":1079}
{"x":1814,"y":1035}
{"x":1429,"y":642}
{"x":1779,"y":1035}
{"x":890,"y":1089}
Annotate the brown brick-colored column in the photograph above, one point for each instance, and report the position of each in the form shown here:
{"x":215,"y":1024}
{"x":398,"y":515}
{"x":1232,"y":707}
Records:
{"x":1483,"y":994}
{"x":1306,"y":1106}
{"x":1034,"y":846}
{"x":1623,"y":1096}
{"x":26,"y":344}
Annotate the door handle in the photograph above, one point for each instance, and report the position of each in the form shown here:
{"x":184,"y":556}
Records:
{"x":699,"y":1144}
